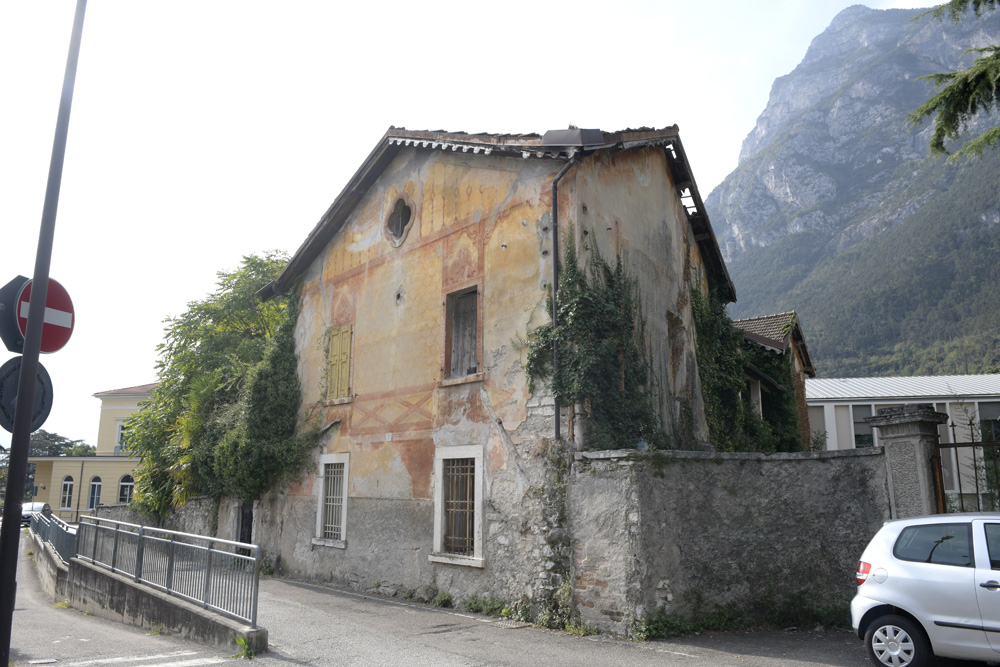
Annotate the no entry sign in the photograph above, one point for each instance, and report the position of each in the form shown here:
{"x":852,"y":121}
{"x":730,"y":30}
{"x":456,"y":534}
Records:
{"x":57,"y":325}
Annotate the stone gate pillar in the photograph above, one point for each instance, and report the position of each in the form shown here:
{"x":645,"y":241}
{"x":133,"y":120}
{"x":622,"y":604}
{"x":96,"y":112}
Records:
{"x":909,"y":435}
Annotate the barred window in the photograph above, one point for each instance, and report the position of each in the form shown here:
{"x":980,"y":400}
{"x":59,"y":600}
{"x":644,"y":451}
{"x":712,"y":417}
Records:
{"x":459,"y":506}
{"x":331,"y":498}
{"x":333,"y":501}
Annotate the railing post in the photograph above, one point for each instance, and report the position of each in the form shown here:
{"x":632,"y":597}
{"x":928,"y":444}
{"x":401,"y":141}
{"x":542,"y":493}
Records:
{"x":256,"y":586}
{"x":93,"y":545}
{"x":208,"y":575}
{"x":138,"y":555}
{"x":114,"y":551}
{"x":170,"y":564}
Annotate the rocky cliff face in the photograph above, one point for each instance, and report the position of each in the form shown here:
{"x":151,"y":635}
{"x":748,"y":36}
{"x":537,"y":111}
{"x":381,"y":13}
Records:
{"x":832,"y":168}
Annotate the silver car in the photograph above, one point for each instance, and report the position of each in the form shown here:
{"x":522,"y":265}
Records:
{"x":930,"y":586}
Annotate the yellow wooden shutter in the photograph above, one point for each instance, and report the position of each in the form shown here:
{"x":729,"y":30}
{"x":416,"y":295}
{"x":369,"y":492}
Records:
{"x":338,"y":370}
{"x":345,"y":362}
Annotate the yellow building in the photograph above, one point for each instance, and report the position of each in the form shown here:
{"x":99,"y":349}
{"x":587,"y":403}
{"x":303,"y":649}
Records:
{"x":73,"y":485}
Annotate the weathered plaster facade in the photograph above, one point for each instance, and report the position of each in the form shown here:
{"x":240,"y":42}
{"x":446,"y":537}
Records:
{"x":480,"y":224}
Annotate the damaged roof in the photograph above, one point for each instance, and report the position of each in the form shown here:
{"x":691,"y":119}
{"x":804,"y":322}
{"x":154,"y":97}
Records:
{"x":777,"y":332}
{"x":559,"y":145}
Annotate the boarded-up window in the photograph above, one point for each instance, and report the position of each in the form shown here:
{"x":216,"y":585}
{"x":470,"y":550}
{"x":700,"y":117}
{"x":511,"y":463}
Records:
{"x":459,"y":506}
{"x":463,"y":325}
{"x":338,"y":369}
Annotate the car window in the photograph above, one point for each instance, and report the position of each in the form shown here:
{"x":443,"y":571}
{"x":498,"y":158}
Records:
{"x":993,"y":544}
{"x":941,"y":543}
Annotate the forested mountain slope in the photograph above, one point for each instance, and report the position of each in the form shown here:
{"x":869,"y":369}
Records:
{"x":890,"y":257}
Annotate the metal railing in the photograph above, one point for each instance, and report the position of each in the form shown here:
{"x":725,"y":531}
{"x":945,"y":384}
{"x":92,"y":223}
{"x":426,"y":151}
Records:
{"x":220,"y":575}
{"x":57,"y":532}
{"x":967,"y":477}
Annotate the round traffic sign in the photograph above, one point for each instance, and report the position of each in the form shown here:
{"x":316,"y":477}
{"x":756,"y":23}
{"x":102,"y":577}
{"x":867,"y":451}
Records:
{"x":10,"y":374}
{"x":57,"y":326}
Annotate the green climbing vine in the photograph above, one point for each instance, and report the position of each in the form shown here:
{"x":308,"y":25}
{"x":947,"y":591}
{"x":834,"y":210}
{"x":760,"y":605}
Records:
{"x":723,"y":356}
{"x":603,"y":366}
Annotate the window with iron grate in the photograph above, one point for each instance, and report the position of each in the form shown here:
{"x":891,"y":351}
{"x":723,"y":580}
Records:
{"x":459,"y":481}
{"x":458,"y":505}
{"x":331,"y":510}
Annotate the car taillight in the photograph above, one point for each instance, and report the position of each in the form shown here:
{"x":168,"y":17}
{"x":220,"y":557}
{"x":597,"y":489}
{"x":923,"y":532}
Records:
{"x":863,"y":570}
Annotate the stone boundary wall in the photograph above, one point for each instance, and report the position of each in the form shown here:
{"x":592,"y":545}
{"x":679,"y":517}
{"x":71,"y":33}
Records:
{"x":197,"y":516}
{"x":694,"y":532}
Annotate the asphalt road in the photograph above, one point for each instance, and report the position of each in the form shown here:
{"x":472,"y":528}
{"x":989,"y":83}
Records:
{"x":314,"y":625}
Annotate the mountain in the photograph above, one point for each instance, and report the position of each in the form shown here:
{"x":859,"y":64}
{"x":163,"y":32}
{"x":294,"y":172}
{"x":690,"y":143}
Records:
{"x":890,"y":257}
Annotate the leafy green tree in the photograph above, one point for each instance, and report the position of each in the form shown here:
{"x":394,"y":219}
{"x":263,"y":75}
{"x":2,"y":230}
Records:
{"x":43,"y":443}
{"x":208,"y":359}
{"x":262,"y":448}
{"x":962,"y":95}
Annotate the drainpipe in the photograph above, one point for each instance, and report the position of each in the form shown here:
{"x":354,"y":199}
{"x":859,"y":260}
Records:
{"x":555,"y":276}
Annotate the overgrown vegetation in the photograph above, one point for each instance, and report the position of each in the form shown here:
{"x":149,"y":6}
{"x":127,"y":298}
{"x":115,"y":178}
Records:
{"x":222,"y":419}
{"x":442,"y":599}
{"x":554,"y":614}
{"x":767,"y":614}
{"x":723,"y":356}
{"x":603,"y":366}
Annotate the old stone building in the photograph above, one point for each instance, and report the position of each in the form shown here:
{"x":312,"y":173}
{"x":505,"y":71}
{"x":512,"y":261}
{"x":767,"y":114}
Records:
{"x":437,"y":469}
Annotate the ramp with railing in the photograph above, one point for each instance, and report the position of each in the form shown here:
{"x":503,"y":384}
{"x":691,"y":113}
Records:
{"x":56,"y":532}
{"x":216,"y":574}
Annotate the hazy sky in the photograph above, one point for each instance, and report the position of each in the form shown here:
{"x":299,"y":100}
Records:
{"x":205,"y":130}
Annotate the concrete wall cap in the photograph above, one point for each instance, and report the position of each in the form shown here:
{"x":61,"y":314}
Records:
{"x":905,"y":414}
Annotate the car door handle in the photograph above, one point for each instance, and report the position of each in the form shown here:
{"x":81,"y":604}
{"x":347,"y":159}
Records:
{"x":992,"y":585}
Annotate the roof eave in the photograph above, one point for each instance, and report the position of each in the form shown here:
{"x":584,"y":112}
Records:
{"x":394,"y":139}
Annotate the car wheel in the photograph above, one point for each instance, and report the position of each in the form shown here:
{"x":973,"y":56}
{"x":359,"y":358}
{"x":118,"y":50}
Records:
{"x":895,"y":641}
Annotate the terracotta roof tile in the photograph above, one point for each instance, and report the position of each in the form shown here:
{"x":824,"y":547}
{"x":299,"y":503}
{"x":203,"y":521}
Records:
{"x":773,"y":327}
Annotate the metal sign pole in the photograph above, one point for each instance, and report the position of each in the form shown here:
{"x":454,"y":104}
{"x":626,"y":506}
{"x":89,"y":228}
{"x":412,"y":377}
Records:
{"x":18,"y":462}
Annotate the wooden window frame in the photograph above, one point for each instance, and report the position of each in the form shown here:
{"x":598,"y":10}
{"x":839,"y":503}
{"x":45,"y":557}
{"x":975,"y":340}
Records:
{"x":122,"y":485}
{"x":322,"y":491}
{"x":338,"y":366}
{"x":449,"y":302}
{"x":66,"y":494}
{"x":98,"y":483}
{"x":440,"y":555}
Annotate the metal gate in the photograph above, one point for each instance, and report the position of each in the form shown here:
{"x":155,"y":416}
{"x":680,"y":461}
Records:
{"x":967,"y":476}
